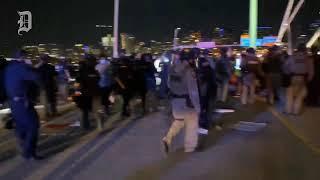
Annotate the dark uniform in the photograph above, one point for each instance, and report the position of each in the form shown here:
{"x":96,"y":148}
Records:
{"x":48,"y":77}
{"x":124,"y":72}
{"x":313,"y":98}
{"x":88,"y":78}
{"x":18,"y":80}
{"x":3,"y":64}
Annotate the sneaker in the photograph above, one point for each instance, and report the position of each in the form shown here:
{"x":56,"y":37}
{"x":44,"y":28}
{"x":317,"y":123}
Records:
{"x":218,"y":128}
{"x":203,"y":131}
{"x":189,"y":151}
{"x":166,"y":146}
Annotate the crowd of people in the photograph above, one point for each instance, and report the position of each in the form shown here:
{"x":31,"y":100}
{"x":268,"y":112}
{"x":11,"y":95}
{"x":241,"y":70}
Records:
{"x":192,"y":80}
{"x":197,"y":81}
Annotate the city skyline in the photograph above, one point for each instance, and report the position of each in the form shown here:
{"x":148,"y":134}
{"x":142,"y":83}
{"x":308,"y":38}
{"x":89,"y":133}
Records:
{"x":69,"y":22}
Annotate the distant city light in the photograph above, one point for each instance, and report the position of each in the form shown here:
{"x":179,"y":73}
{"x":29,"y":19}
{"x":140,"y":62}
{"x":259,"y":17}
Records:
{"x":103,"y":26}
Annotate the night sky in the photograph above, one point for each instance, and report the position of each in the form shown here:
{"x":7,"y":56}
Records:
{"x":70,"y":21}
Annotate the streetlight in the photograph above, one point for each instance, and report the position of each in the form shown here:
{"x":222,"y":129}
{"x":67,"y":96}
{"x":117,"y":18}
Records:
{"x":175,"y":37}
{"x":115,"y":29}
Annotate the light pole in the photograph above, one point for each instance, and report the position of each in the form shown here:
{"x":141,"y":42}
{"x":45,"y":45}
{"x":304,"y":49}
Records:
{"x":253,"y":23}
{"x":288,"y":18}
{"x":115,"y":29}
{"x":175,"y":37}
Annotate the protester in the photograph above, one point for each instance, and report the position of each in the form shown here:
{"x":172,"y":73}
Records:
{"x":313,"y":98}
{"x":26,"y":119}
{"x":48,"y":76}
{"x":207,"y":86}
{"x":301,"y":69}
{"x":3,"y":65}
{"x":273,"y":69}
{"x":285,"y":79}
{"x":63,"y":78}
{"x":139,"y":84}
{"x":185,"y":103}
{"x":105,"y":81}
{"x":224,"y":72}
{"x":250,"y":67}
{"x":124,"y":77}
{"x":88,"y":80}
{"x":151,"y":85}
{"x":165,"y":63}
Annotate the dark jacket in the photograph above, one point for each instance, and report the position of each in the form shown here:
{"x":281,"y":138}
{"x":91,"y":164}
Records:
{"x":48,"y":76}
{"x":21,"y":80}
{"x":206,"y":76}
{"x":3,"y":64}
{"x":223,"y":69}
{"x":272,"y":64}
{"x":88,"y":78}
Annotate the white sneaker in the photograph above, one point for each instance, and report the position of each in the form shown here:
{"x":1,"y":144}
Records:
{"x":203,"y":131}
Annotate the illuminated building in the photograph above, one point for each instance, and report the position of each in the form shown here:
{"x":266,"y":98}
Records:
{"x":265,"y":37}
{"x":222,"y":36}
{"x":128,"y":43}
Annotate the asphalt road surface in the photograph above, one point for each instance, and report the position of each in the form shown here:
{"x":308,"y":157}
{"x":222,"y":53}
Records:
{"x":286,"y":149}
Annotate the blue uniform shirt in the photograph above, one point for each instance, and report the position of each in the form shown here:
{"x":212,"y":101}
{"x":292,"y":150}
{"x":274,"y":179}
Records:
{"x":17,"y":79}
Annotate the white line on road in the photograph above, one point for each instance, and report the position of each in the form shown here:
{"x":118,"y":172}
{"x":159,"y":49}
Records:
{"x":294,"y":131}
{"x":57,"y":161}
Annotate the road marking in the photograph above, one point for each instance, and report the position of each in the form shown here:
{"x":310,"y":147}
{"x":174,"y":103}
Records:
{"x":60,"y":158}
{"x":294,"y":130}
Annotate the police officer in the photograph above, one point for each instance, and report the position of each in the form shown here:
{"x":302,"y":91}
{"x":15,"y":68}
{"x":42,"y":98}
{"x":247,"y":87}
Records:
{"x":123,"y":75}
{"x":313,"y":98}
{"x":18,"y":78}
{"x":88,"y":80}
{"x":207,"y":86}
{"x":3,"y":64}
{"x":48,"y":77}
{"x":250,"y":68}
{"x":224,"y":72}
{"x":185,"y":103}
{"x":272,"y":67}
{"x":301,"y":69}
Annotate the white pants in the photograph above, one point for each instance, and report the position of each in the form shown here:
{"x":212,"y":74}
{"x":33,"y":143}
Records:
{"x":184,"y":117}
{"x":223,"y":91}
{"x":296,"y":93}
{"x":63,"y":92}
{"x":248,"y":94}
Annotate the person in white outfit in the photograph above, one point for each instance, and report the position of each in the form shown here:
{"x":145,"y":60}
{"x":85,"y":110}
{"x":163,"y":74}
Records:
{"x":185,"y":103}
